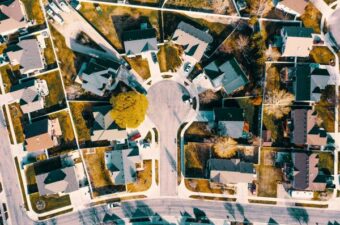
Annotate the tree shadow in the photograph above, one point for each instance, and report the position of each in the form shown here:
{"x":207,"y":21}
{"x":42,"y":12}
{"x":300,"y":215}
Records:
{"x":272,"y":222}
{"x":299,"y":214}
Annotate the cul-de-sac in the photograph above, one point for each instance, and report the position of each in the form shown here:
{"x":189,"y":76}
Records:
{"x":165,"y":112}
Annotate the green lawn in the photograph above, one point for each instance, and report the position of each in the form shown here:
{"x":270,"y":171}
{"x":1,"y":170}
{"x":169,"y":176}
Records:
{"x":56,"y":92}
{"x":34,"y":11}
{"x":77,"y":109}
{"x":169,"y":57}
{"x":52,"y":202}
{"x":321,"y":55}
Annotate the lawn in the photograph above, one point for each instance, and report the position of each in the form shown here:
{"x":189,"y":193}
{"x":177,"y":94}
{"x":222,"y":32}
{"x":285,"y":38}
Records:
{"x":52,"y":202}
{"x":325,"y":111}
{"x":56,"y":93}
{"x":49,"y":54}
{"x":275,"y":126}
{"x":114,"y":20}
{"x":201,"y":185}
{"x":34,"y":11}
{"x":99,"y":176}
{"x":65,"y":125}
{"x":321,"y":55}
{"x":157,"y":171}
{"x":21,"y":183}
{"x":216,"y":6}
{"x":144,"y":1}
{"x":198,"y":130}
{"x":30,"y":179}
{"x":250,"y":113}
{"x":140,"y":65}
{"x":312,"y":18}
{"x":272,"y":78}
{"x":77,"y":110}
{"x":169,"y":57}
{"x":2,"y":48}
{"x":8,"y":77}
{"x":268,"y":177}
{"x":196,"y":159}
{"x":66,"y":57}
{"x":17,"y":117}
{"x":326,"y":161}
{"x":144,"y":179}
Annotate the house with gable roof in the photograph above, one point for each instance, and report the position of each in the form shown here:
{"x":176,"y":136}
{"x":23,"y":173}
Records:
{"x":98,"y":76}
{"x":104,"y":128}
{"x":140,"y":41}
{"x":56,"y":175}
{"x":297,"y":41}
{"x":121,"y":163}
{"x":229,"y":121}
{"x":12,"y":17}
{"x":26,"y":54}
{"x":309,"y":83}
{"x":219,"y":74}
{"x":193,"y":40}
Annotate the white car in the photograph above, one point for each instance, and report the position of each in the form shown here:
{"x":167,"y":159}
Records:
{"x":113,"y":205}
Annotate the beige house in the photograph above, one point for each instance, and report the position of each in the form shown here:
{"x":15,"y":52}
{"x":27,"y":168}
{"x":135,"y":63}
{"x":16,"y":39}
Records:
{"x":297,"y":41}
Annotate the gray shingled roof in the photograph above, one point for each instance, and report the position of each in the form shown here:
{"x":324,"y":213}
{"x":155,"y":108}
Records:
{"x":139,"y":41}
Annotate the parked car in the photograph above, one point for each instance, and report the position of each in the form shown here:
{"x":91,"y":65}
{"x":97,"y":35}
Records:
{"x":187,"y":67}
{"x":154,"y":57}
{"x":113,"y":205}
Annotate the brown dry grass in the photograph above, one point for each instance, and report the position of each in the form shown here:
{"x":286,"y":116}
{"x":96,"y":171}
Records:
{"x":144,"y":179}
{"x":140,"y":65}
{"x":201,"y":185}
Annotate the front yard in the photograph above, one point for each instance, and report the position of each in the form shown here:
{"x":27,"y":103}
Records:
{"x":201,"y":185}
{"x":140,"y":65}
{"x":52,"y":202}
{"x":144,"y":179}
{"x":99,"y":176}
{"x":169,"y":57}
{"x":196,"y":159}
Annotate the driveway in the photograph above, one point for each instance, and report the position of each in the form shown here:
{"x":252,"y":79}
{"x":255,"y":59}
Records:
{"x":167,"y":111}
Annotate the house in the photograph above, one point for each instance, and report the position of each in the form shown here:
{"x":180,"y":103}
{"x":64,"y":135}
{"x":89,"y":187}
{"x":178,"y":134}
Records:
{"x":12,"y":17}
{"x":228,"y":171}
{"x":305,"y":130}
{"x":297,"y":41}
{"x":98,"y":76}
{"x":140,"y":41}
{"x":42,"y":134}
{"x":221,"y":74}
{"x":306,"y":174}
{"x":104,"y":128}
{"x":26,"y":54}
{"x":295,"y":7}
{"x":122,"y":165}
{"x":193,"y":40}
{"x":309,"y":83}
{"x":30,"y":95}
{"x":230,"y":121}
{"x":56,"y":175}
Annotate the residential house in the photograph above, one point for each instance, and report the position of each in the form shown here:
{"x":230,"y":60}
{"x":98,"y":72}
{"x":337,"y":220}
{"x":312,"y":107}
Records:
{"x":194,"y":41}
{"x":221,"y":74}
{"x":42,"y":134}
{"x":305,"y":130}
{"x":27,"y":55}
{"x":228,"y":171}
{"x":306,"y":174}
{"x":12,"y":17}
{"x":104,"y":128}
{"x":309,"y":83}
{"x":140,"y":41}
{"x":30,"y":95}
{"x":297,"y":41}
{"x":122,"y":165}
{"x":98,"y":76}
{"x":295,"y":7}
{"x":230,"y":121}
{"x":56,"y":175}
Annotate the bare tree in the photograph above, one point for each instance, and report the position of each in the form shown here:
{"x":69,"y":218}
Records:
{"x":225,"y":147}
{"x":242,"y":42}
{"x":278,"y":103}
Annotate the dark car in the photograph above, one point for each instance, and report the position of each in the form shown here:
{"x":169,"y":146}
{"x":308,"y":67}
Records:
{"x":154,"y":57}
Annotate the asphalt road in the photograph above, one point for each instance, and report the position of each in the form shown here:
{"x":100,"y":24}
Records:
{"x":167,"y":111}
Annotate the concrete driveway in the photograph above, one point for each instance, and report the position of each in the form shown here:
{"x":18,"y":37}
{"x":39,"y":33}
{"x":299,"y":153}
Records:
{"x":168,"y":111}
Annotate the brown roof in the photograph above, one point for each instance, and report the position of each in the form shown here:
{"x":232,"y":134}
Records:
{"x":39,"y":142}
{"x":296,"y":5}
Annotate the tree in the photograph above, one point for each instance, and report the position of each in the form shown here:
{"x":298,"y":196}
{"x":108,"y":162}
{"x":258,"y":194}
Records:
{"x":225,"y":147}
{"x":242,"y":42}
{"x":129,"y":109}
{"x":278,"y":103}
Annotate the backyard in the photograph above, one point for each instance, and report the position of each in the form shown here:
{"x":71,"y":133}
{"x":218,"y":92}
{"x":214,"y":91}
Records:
{"x":8,"y":76}
{"x":49,"y":54}
{"x":77,"y":110}
{"x":52,"y":202}
{"x":312,"y":18}
{"x":326,"y":161}
{"x":326,"y":112}
{"x":99,"y":176}
{"x":113,"y":20}
{"x":56,"y":92}
{"x":34,"y":11}
{"x":65,"y":125}
{"x":144,"y":179}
